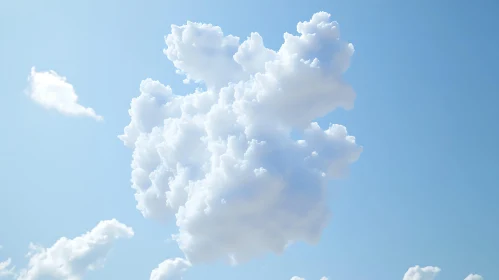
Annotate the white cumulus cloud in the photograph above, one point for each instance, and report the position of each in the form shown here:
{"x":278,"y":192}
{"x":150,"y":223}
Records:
{"x":421,"y":273}
{"x":6,"y":268}
{"x":222,"y":161}
{"x":53,"y":92}
{"x":474,"y":277}
{"x":69,"y":259}
{"x":430,"y":273}
{"x":170,"y":269}
{"x":299,"y":278}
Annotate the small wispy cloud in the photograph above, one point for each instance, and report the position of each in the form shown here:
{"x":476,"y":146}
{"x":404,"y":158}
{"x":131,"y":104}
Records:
{"x":52,"y":91}
{"x":6,"y":268}
{"x":430,"y":273}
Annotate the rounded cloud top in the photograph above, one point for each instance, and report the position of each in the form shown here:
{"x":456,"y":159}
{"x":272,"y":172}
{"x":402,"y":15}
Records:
{"x":222,"y":161}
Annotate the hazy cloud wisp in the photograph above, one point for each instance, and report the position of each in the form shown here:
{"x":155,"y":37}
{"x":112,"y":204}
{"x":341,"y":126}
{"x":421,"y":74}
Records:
{"x":6,"y":268}
{"x":430,"y":273}
{"x":54,"y":92}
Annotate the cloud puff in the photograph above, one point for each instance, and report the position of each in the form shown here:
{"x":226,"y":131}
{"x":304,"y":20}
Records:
{"x":170,"y":269}
{"x":6,"y":269}
{"x":474,"y":277}
{"x":299,"y":278}
{"x":421,"y":273}
{"x":418,"y":273}
{"x":222,"y":160}
{"x":430,"y":273}
{"x":53,"y":92}
{"x":69,"y":259}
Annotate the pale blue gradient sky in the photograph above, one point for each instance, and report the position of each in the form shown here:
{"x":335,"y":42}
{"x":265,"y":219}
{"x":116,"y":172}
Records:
{"x":424,"y":191}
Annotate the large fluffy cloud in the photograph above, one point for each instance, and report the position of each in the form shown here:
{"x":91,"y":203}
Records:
{"x":222,"y":160}
{"x":53,"y":92}
{"x":69,"y":259}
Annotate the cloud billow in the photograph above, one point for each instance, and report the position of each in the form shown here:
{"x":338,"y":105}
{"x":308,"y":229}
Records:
{"x":222,"y":161}
{"x":72,"y":258}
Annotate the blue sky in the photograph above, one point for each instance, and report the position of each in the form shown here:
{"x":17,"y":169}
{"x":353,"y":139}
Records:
{"x":423,"y":191}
